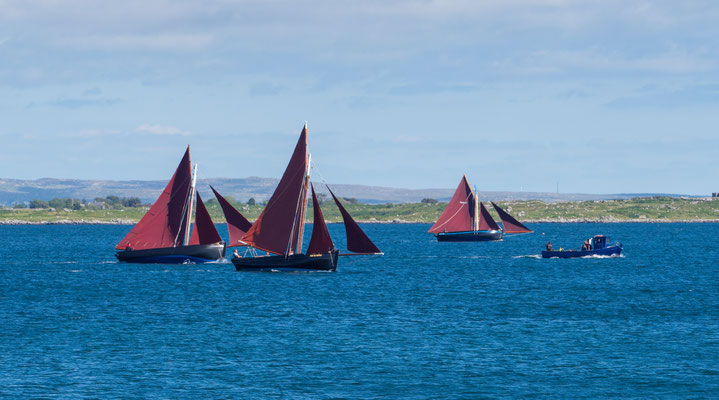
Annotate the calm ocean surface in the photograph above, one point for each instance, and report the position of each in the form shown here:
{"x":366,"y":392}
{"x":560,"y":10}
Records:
{"x":427,"y":320}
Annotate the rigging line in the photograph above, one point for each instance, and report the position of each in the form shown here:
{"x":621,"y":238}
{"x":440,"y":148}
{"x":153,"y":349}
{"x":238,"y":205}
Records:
{"x":466,"y":200}
{"x":303,"y":216}
{"x":294,"y":221}
{"x":303,"y":192}
{"x":313,"y":166}
{"x":184,"y":210}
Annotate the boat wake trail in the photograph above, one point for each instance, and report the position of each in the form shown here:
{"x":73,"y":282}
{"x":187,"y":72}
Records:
{"x":220,"y":261}
{"x":535,"y":256}
{"x":601,"y":256}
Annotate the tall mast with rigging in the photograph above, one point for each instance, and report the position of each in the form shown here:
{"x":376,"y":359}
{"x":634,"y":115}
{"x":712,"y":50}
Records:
{"x":476,"y":209}
{"x":304,"y":203}
{"x":188,"y":216}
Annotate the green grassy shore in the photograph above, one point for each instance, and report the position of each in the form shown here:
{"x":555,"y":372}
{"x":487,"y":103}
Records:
{"x":654,"y":209}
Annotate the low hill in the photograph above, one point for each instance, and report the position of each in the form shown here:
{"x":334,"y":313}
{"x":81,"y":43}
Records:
{"x":14,"y":191}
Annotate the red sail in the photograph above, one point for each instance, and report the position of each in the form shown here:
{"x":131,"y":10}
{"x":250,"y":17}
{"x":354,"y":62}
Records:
{"x":459,"y":214}
{"x":320,"y":242}
{"x":511,"y":225}
{"x":204,"y":231}
{"x":163,"y":225}
{"x":277,"y":229}
{"x":357,"y":240}
{"x":237,"y":224}
{"x":486,"y":222}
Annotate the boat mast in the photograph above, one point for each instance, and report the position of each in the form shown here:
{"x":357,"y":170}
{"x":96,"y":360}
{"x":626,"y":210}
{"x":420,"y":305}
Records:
{"x":303,"y":211}
{"x":186,"y":240}
{"x":476,"y":209}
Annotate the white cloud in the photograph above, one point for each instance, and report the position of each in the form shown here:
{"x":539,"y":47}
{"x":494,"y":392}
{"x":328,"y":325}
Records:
{"x":162,"y":130}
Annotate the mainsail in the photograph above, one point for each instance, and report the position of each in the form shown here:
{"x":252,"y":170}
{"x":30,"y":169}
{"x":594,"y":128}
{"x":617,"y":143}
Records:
{"x":320,"y":242}
{"x":278,"y":229}
{"x":459,"y":214}
{"x":204,"y":231}
{"x":164,"y":224}
{"x":511,"y":225}
{"x":237,"y":224}
{"x":357,"y":240}
{"x":486,"y":222}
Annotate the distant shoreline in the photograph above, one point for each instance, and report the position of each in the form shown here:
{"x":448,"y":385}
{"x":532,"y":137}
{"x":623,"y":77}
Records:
{"x":640,"y":210}
{"x":399,"y":222}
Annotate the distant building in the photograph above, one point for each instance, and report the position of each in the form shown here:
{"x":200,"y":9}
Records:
{"x":715,"y":195}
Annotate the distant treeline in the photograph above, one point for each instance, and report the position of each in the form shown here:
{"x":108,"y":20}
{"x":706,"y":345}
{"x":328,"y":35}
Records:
{"x":116,"y":203}
{"x":321,"y":197}
{"x":109,"y":202}
{"x":212,"y":202}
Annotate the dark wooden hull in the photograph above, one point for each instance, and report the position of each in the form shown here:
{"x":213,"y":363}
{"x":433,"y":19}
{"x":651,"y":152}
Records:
{"x":198,"y":253}
{"x":295,"y":262}
{"x":607,"y":251}
{"x":469,"y":236}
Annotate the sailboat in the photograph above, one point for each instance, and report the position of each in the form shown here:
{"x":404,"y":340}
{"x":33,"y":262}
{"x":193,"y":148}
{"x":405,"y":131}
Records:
{"x":466,"y":219}
{"x":163,"y":233}
{"x":279,"y":230}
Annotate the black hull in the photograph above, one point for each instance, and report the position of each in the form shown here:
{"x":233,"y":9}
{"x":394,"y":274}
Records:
{"x":469,"y":236}
{"x":198,"y":253}
{"x":295,"y":262}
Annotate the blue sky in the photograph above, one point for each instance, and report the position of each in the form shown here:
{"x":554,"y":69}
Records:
{"x":600,"y":96}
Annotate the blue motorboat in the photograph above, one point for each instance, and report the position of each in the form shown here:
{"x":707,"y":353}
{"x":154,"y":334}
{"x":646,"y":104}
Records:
{"x":599,"y":247}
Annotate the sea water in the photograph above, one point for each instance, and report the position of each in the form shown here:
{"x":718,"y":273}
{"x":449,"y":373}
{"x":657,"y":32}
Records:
{"x":426,"y":320}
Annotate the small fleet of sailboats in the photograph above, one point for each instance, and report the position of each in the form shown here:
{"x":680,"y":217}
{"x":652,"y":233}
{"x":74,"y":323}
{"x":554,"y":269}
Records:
{"x":466,"y":219}
{"x":165,"y":234}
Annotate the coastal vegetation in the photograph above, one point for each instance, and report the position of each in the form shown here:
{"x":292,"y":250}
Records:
{"x":645,"y":209}
{"x":113,"y":202}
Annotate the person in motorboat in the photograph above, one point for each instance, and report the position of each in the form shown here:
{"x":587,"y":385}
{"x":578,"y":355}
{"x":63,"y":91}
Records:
{"x":549,"y":246}
{"x":236,"y":254}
